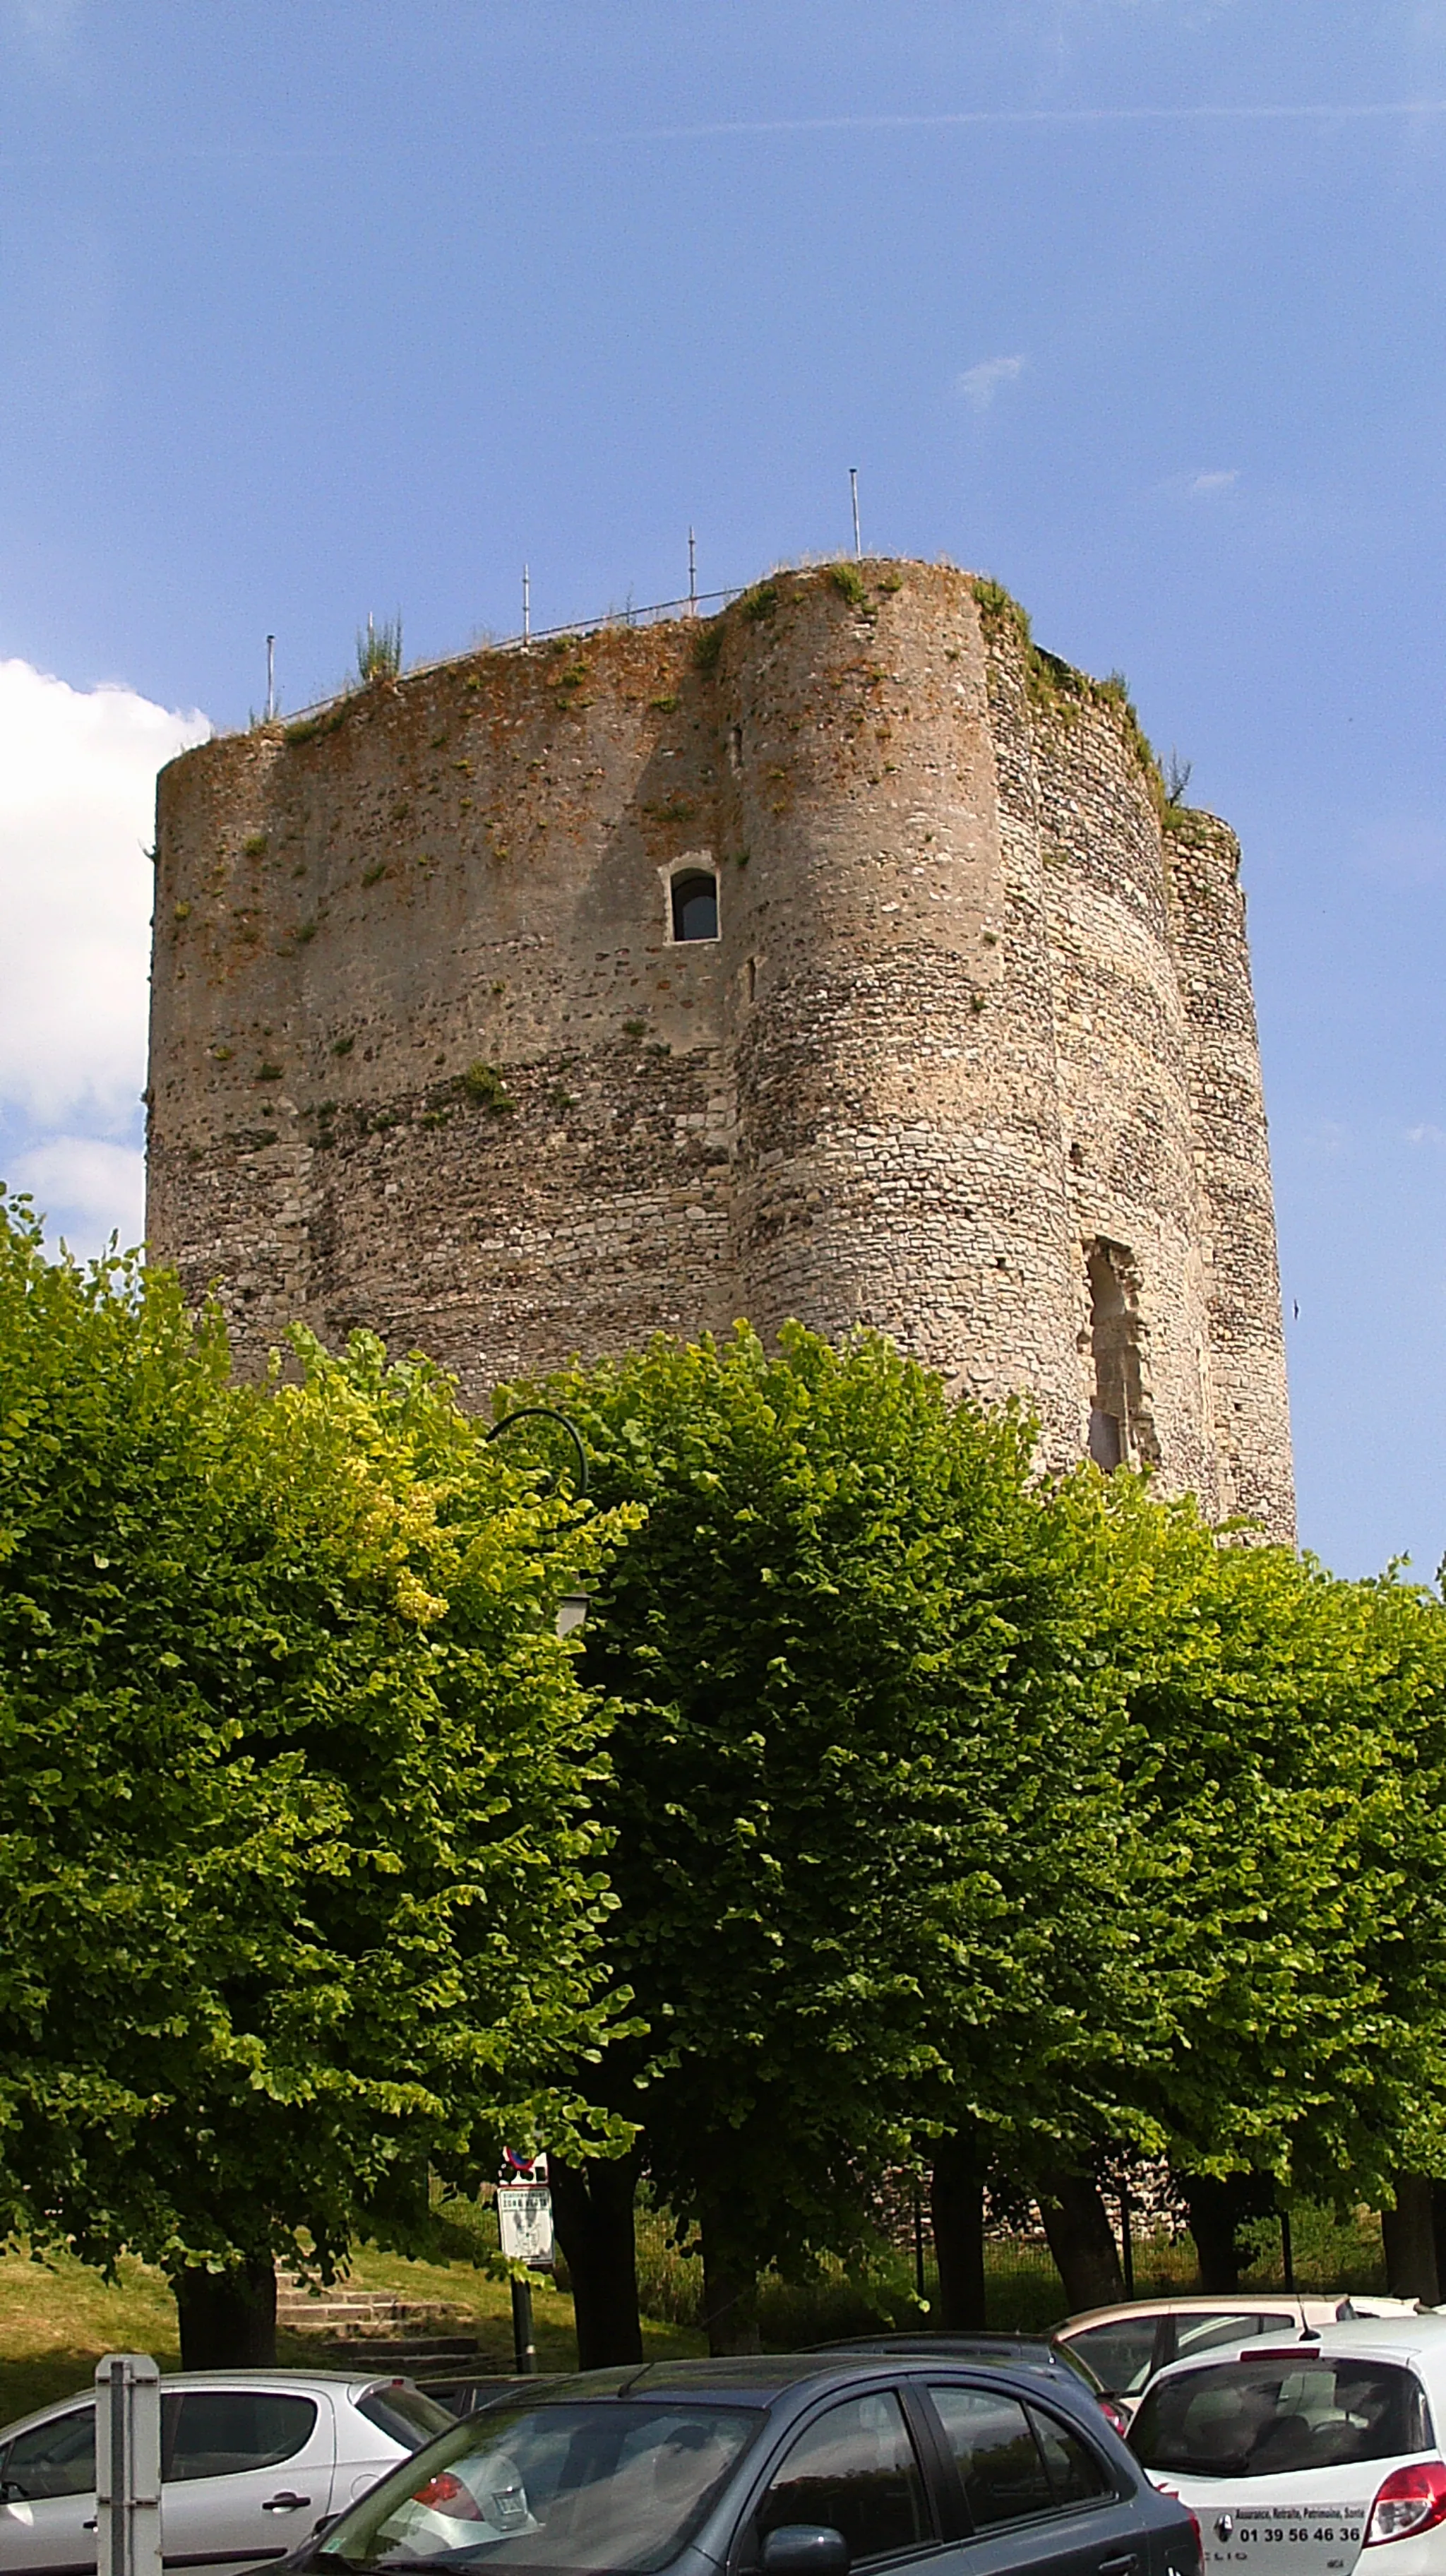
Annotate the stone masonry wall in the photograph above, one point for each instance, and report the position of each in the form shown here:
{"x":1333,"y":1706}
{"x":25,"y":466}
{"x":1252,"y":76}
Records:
{"x":426,"y":1056}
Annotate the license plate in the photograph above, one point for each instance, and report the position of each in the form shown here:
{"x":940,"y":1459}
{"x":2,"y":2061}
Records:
{"x":1309,"y":2540}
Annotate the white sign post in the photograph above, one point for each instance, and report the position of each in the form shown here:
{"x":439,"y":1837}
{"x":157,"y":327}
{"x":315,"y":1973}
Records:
{"x":524,"y":2230}
{"x":128,"y":2465}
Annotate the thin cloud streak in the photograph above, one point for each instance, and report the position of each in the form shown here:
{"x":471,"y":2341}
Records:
{"x":980,"y":384}
{"x":1351,"y":113}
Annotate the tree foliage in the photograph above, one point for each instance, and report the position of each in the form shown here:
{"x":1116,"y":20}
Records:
{"x":919,"y":1805}
{"x":301,"y":1889}
{"x":1286,"y":1783}
{"x":869,"y":1842}
{"x":955,"y":1802}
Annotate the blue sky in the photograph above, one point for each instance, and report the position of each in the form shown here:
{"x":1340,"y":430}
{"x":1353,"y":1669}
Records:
{"x":314,"y":310}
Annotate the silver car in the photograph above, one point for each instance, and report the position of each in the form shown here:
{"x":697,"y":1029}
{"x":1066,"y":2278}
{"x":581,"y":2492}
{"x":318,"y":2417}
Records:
{"x":251,"y":2462}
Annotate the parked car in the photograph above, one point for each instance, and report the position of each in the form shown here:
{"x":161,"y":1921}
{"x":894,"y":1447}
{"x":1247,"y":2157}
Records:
{"x":250,"y":2460}
{"x":1300,"y":2456}
{"x":1125,"y":2345}
{"x":787,"y":2465}
{"x":1018,"y":2351}
{"x":471,"y":2391}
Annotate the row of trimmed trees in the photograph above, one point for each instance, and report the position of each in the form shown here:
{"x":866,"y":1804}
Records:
{"x":1021,"y":1826}
{"x":902,"y":1805}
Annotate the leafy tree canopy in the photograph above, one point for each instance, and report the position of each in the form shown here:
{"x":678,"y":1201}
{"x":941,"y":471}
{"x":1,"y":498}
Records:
{"x":1286,"y":1781}
{"x":870,"y":1844}
{"x":301,"y":1886}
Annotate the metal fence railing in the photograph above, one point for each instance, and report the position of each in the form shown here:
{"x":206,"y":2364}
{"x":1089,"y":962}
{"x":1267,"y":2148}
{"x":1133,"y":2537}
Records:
{"x":654,"y":614}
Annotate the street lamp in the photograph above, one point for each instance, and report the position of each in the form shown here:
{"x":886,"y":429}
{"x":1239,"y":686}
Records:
{"x":572,"y":1608}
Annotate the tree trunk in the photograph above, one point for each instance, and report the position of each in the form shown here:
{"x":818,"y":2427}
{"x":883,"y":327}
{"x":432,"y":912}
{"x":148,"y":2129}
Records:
{"x":1081,"y":2239}
{"x":228,"y":2319}
{"x":592,"y":2208}
{"x":1408,"y":2234}
{"x":1217,"y":2211}
{"x":1438,"y":2230}
{"x":956,"y":2211}
{"x":730,"y":2290}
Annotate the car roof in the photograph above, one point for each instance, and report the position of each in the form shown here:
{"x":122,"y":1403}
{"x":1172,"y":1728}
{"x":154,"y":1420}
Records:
{"x":721,"y":2378}
{"x":1423,"y":2332}
{"x":1245,"y":2303}
{"x":985,"y":2341}
{"x":746,"y":2378}
{"x":1018,"y":2352}
{"x":342,"y":2383}
{"x":1401,"y":2338}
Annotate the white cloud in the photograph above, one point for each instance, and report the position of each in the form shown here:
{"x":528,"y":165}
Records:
{"x":1427,"y":1135}
{"x":77,"y":796}
{"x":1203,"y":487}
{"x":980,"y":384}
{"x":47,"y":25}
{"x":88,"y":1188}
{"x":1328,"y":1136}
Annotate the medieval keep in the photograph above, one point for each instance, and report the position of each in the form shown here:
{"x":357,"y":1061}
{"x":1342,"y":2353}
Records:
{"x":838,"y":957}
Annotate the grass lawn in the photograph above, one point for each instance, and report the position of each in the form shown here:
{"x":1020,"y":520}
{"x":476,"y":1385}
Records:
{"x":57,"y":2318}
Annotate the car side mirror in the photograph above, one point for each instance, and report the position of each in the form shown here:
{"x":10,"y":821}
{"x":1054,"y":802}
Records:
{"x":805,"y":2549}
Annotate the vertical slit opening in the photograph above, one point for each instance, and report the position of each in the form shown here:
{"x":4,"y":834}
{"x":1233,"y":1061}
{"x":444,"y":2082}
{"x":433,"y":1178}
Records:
{"x":1121,"y":1431}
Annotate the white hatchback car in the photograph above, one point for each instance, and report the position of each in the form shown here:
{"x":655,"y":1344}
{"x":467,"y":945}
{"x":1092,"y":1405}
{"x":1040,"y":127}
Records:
{"x":251,"y":2462}
{"x":1303,"y":2455}
{"x":1126,"y":2344}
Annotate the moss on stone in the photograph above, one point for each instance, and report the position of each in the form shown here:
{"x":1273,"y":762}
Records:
{"x":1056,"y":689}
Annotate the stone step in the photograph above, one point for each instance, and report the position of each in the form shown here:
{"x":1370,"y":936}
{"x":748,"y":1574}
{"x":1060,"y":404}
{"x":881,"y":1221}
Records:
{"x":378,"y":2330}
{"x":297,"y":2296}
{"x":318,"y":2317}
{"x":362,"y":2309}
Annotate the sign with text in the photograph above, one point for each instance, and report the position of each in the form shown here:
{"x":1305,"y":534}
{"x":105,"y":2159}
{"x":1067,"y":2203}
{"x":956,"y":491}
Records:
{"x":524,"y":2222}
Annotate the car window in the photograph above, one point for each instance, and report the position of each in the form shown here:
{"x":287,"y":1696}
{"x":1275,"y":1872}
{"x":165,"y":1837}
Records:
{"x":597,"y":2485}
{"x":218,"y":2432}
{"x":1075,"y":2475}
{"x":1201,"y":2333}
{"x":1255,"y":2419}
{"x":405,"y":2415}
{"x":56,"y":2458}
{"x":854,"y":2470}
{"x":1120,"y":2354}
{"x":1000,"y":2464}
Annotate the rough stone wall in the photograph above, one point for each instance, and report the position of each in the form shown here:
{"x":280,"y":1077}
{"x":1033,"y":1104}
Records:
{"x":426,"y":1057}
{"x":1246,"y":1417}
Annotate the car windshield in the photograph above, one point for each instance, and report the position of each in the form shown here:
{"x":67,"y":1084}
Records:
{"x":600,"y":2485}
{"x":1258,"y":2419}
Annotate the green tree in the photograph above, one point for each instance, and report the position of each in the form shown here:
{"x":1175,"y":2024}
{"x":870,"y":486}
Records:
{"x":1286,"y":1769}
{"x":300,"y":1891}
{"x":868,"y":1836}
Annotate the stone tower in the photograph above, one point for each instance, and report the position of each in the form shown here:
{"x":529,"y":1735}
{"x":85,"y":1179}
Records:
{"x":837,"y":957}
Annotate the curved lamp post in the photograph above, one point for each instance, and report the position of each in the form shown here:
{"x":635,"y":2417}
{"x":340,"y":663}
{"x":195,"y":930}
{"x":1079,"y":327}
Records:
{"x":547,"y":1413}
{"x":572,"y":1608}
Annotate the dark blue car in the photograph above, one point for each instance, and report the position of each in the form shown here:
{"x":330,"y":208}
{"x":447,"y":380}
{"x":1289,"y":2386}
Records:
{"x":801,"y":2465}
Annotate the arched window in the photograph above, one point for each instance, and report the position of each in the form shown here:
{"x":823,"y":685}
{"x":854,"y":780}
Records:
{"x":695,"y":904}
